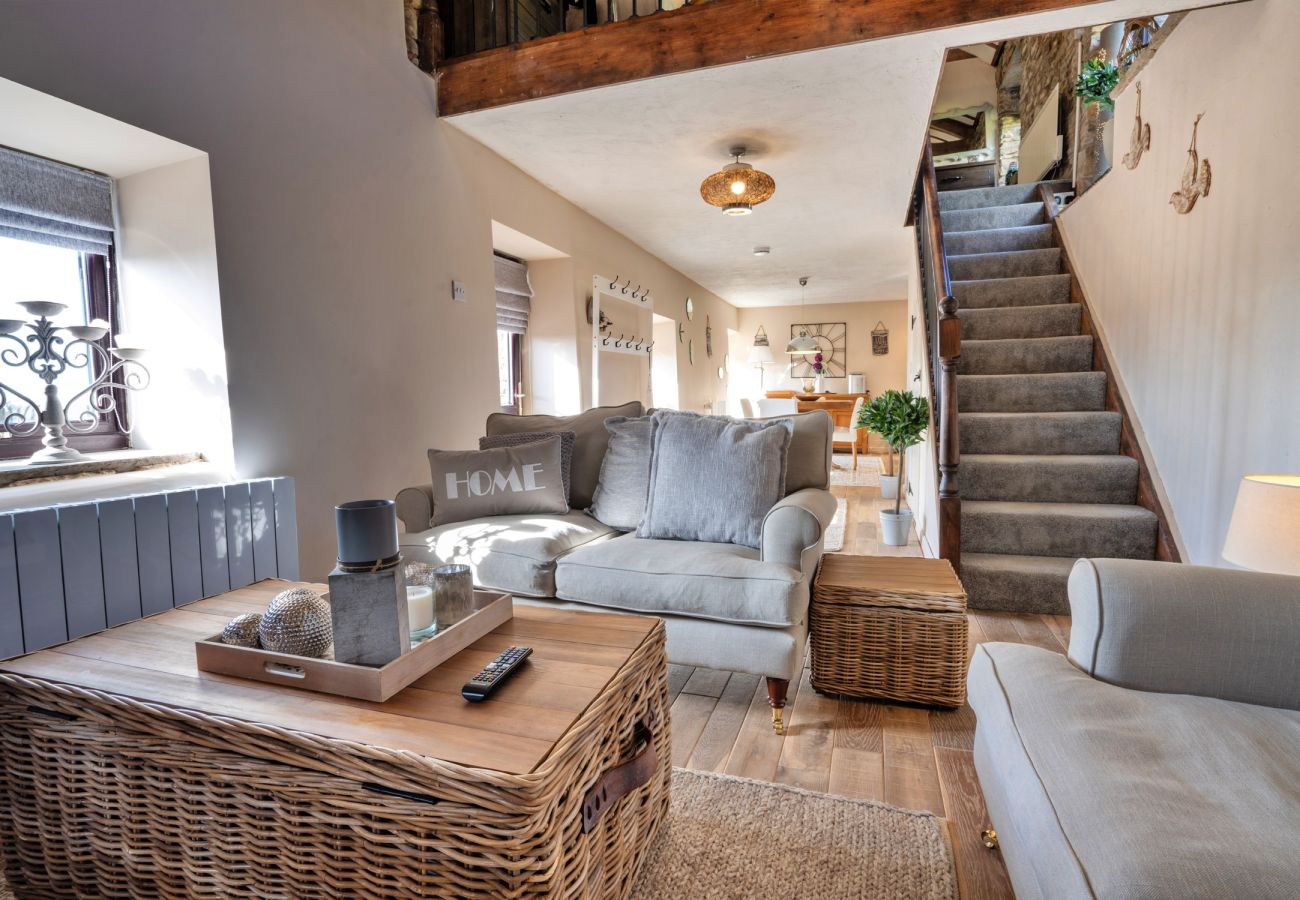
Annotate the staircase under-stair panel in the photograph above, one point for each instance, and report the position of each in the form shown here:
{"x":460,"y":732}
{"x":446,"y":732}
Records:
{"x":1042,"y":480}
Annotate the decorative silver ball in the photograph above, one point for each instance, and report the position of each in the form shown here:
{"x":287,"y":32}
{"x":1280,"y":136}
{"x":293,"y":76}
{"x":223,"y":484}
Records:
{"x":298,"y":623}
{"x":242,"y":630}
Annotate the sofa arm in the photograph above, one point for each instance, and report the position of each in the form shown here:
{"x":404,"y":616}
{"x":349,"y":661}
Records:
{"x":1180,"y":629}
{"x":793,"y":529}
{"x":415,"y":507}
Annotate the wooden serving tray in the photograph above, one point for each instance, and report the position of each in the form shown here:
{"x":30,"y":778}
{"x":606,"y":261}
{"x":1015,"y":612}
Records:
{"x":374,"y":683}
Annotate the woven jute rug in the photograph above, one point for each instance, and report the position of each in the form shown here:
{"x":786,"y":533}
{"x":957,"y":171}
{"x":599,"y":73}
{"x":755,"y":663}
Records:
{"x":735,"y":838}
{"x":731,"y":838}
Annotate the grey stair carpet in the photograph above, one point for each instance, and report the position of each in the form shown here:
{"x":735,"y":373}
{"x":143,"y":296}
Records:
{"x":993,"y":217}
{"x":1026,"y":356}
{"x":1113,"y":530}
{"x":1006,"y":195}
{"x":1027,"y":584}
{"x":1032,"y":290}
{"x":1038,"y":434}
{"x":993,"y":240}
{"x":1049,"y":479}
{"x":1052,"y":392}
{"x":1002,"y":322}
{"x":1004,"y":264}
{"x":1041,"y":478}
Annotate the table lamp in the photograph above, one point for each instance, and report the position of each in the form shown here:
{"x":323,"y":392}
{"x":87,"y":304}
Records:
{"x":1264,"y":533}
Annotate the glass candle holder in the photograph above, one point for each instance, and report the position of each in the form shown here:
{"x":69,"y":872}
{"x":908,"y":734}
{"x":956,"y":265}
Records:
{"x":453,"y":589}
{"x":419,"y":603}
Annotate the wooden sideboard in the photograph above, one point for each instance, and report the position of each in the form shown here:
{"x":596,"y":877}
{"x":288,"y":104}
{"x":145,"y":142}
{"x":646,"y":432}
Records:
{"x":840,"y":407}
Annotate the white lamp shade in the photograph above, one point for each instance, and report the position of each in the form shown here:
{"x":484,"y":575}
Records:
{"x":803,"y":344}
{"x":1264,"y":533}
{"x":761,"y":354}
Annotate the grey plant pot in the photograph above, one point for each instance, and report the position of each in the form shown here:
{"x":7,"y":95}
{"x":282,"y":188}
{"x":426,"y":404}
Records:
{"x":895,"y":528}
{"x":889,"y":487}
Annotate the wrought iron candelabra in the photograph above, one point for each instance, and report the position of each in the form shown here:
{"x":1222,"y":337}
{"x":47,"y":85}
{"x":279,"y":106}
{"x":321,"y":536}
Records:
{"x":49,"y":351}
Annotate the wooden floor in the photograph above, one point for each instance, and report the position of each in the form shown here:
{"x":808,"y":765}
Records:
{"x":904,"y":755}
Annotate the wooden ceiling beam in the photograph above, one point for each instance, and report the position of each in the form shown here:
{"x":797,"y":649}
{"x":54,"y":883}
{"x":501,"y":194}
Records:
{"x":697,"y":36}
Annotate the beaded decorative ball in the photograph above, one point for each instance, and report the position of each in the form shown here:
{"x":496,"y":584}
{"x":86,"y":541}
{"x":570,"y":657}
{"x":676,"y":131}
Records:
{"x":298,"y":623}
{"x":241,"y":631}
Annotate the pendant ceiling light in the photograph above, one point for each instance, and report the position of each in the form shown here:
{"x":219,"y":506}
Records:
{"x":804,"y":343}
{"x":738,"y":188}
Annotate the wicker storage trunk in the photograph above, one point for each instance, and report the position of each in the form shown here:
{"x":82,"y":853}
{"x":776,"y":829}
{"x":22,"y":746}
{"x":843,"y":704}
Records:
{"x":104,"y":796}
{"x":889,"y":627}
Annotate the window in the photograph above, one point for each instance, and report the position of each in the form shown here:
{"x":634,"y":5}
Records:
{"x":56,"y":244}
{"x":510,"y":377}
{"x":514,"y":299}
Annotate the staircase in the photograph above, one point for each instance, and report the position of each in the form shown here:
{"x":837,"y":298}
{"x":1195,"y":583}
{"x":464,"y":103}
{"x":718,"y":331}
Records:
{"x":1042,"y":480}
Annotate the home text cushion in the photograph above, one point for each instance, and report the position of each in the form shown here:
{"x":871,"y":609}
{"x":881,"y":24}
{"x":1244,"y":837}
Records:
{"x":714,"y":478}
{"x":625,"y":473}
{"x":471,"y":484}
{"x":527,"y":437}
{"x":588,"y":447}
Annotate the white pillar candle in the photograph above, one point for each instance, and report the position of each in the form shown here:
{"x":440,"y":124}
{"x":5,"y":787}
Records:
{"x":419,"y":601}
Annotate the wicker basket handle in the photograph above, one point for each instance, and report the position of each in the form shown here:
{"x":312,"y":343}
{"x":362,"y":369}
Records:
{"x":623,"y":779}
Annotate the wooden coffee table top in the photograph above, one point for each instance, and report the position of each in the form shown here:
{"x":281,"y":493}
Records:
{"x":575,"y":654}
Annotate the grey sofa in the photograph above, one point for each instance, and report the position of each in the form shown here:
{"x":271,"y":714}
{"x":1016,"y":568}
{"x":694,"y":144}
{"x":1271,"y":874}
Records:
{"x":725,"y":606}
{"x":1162,"y":758}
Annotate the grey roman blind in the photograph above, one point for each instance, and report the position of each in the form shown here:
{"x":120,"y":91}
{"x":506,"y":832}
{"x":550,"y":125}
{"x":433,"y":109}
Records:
{"x":514,"y":295}
{"x":50,"y":203}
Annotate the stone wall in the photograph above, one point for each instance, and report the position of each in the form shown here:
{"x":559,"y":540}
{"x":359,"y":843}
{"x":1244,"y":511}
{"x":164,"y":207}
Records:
{"x":1034,"y":65}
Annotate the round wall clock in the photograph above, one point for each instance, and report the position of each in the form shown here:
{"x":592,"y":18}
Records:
{"x":690,"y":309}
{"x":832,"y":344}
{"x":722,"y":374}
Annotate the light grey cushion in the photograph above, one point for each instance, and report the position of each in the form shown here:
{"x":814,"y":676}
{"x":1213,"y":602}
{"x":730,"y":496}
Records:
{"x":625,"y":474}
{"x":1188,"y":629}
{"x":588,"y":447}
{"x":724,"y":582}
{"x":471,"y":484}
{"x":567,"y":439}
{"x":713,"y":478}
{"x":1130,"y":794}
{"x":768,"y":652}
{"x":808,"y":464}
{"x":507,"y":553}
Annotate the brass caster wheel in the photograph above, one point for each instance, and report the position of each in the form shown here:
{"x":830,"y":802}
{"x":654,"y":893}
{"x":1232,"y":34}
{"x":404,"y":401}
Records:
{"x":778,"y":726}
{"x":990,"y":837}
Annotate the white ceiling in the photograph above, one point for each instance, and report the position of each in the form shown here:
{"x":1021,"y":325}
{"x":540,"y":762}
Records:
{"x":840,"y":130}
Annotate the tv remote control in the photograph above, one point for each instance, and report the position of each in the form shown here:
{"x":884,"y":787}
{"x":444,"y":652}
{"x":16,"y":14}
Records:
{"x":495,"y":672}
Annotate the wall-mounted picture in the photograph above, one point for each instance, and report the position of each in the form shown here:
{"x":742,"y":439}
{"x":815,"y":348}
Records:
{"x":832,"y":342}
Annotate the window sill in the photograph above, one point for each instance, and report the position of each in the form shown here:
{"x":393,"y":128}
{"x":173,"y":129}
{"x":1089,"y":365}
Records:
{"x":118,"y":473}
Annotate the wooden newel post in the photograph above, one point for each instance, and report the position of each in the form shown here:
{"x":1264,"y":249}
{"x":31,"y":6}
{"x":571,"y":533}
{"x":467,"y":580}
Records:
{"x":949,"y":439}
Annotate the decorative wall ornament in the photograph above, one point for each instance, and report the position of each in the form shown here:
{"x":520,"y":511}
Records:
{"x":880,"y":340}
{"x":1140,"y":140}
{"x":832,"y":344}
{"x":1196,"y":177}
{"x":708,"y":337}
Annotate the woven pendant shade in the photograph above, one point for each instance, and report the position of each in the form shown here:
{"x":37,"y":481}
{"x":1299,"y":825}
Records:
{"x":738,"y":188}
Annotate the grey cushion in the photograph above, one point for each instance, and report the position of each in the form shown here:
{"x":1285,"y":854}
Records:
{"x":1119,"y":793}
{"x":507,"y":553}
{"x":470,"y":484}
{"x":702,"y":580}
{"x":625,"y":474}
{"x":567,"y":439}
{"x":588,"y":447}
{"x":1188,"y":629}
{"x":808,"y":464}
{"x":713,"y":478}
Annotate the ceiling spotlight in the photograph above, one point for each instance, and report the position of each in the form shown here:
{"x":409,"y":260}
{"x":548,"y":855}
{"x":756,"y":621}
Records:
{"x":762,"y":251}
{"x":738,"y":187}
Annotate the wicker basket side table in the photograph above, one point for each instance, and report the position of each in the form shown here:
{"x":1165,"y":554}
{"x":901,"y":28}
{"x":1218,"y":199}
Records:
{"x":889,"y":627}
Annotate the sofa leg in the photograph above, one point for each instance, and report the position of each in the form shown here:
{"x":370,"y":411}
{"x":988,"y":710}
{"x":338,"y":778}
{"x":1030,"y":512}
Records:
{"x":990,"y":838}
{"x":776,"y":691}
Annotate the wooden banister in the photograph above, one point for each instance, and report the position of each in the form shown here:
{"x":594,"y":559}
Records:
{"x":945,"y":341}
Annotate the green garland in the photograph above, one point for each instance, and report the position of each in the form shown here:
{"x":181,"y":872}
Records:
{"x":1096,"y":81}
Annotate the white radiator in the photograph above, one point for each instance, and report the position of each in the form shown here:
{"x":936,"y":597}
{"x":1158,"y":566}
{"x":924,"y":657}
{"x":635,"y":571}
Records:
{"x":1041,"y":147}
{"x":69,"y":571}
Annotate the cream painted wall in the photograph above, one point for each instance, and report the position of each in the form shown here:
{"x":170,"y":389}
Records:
{"x":883,"y":372}
{"x":966,"y":83}
{"x":922,"y":472}
{"x":1200,"y":312}
{"x":523,"y":204}
{"x":167,"y":259}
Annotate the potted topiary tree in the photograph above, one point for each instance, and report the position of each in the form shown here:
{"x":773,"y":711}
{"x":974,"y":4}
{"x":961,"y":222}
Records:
{"x":900,"y":417}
